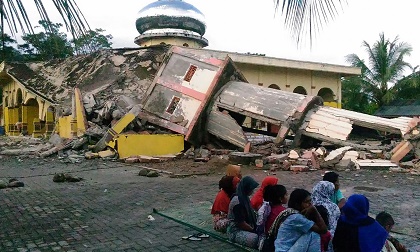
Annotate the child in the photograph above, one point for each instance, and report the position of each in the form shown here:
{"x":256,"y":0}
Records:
{"x":337,"y":197}
{"x":391,"y":244}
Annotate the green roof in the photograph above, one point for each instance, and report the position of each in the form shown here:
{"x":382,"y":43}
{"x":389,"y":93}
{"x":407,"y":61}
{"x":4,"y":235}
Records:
{"x":398,"y":108}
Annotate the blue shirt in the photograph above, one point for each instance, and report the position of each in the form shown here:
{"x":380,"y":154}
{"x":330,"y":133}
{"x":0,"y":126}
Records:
{"x":337,"y":196}
{"x":291,"y":230}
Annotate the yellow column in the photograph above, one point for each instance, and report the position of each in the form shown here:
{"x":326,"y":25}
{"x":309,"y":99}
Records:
{"x":49,"y":122}
{"x":24,"y":118}
{"x":6,"y":119}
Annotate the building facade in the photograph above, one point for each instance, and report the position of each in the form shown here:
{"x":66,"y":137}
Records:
{"x":176,"y":22}
{"x":25,"y":111}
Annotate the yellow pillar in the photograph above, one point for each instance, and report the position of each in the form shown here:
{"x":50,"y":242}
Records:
{"x":6,"y":119}
{"x":49,"y":122}
{"x":24,"y":118}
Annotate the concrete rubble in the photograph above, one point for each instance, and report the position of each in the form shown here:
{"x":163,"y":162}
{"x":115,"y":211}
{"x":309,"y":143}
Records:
{"x":206,"y":100}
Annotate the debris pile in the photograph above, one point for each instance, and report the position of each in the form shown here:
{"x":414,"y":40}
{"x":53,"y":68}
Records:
{"x":143,"y":105}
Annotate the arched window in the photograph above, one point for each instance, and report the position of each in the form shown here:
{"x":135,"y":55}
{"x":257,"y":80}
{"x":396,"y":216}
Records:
{"x":274,"y":86}
{"x":19,"y":97}
{"x":326,"y":94}
{"x":186,"y":45}
{"x":300,"y":90}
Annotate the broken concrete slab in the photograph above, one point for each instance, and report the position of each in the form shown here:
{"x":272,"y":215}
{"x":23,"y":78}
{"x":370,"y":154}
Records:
{"x":293,"y":154}
{"x":55,"y":139}
{"x":352,"y":155}
{"x":147,"y":159}
{"x":243,"y":158}
{"x":401,"y":150}
{"x":299,"y":168}
{"x":131,"y":160}
{"x":276,"y":158}
{"x":334,"y":157}
{"x":91,"y":155}
{"x":345,"y":164}
{"x":106,"y":154}
{"x":375,"y":164}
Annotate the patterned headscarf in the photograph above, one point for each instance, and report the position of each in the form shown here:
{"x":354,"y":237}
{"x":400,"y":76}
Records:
{"x":321,"y":196}
{"x":245,"y":187}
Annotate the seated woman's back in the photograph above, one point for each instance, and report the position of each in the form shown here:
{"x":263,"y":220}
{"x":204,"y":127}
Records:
{"x":298,"y":232}
{"x":356,"y":231}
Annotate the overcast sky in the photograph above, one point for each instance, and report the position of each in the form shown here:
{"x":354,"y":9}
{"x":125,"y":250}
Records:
{"x":252,"y":26}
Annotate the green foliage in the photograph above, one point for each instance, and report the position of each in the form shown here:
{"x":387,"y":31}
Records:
{"x":92,"y":41}
{"x":408,"y":88}
{"x":48,"y":44}
{"x":379,"y":78}
{"x":9,"y":52}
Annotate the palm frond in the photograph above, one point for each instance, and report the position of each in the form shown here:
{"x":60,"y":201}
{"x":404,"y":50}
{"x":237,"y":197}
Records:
{"x":307,"y":17}
{"x":14,"y":12}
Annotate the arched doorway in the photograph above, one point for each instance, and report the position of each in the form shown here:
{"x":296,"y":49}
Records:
{"x":274,"y":86}
{"x":32,"y":115}
{"x":300,"y":90}
{"x":327,"y":94}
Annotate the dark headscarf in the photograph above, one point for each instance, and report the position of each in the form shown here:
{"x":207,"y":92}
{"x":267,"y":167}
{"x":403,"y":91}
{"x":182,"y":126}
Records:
{"x":356,"y":210}
{"x":245,"y":187}
{"x":229,"y":184}
{"x":356,"y":231}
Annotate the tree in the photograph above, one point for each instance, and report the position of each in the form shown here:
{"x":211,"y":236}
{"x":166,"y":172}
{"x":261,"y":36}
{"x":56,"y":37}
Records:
{"x":92,"y":41}
{"x":46,"y":45}
{"x":408,"y":88}
{"x":355,"y":97}
{"x":385,"y":67}
{"x":306,"y":17}
{"x":10,"y":53}
{"x":14,"y":14}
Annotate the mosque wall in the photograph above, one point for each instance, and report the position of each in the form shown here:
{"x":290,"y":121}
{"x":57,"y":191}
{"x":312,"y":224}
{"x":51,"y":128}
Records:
{"x":171,"y":41}
{"x":25,"y":112}
{"x":295,"y":80}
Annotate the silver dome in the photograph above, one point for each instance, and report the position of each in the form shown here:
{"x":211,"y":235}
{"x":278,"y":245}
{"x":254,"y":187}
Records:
{"x":170,"y":14}
{"x":174,"y":8}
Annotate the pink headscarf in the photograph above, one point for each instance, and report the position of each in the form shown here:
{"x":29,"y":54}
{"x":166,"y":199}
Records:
{"x":257,"y":199}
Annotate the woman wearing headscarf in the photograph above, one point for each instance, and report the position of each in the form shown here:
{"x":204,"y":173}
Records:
{"x":257,"y":199}
{"x":227,"y":187}
{"x":356,"y":231}
{"x":321,"y":196}
{"x":241,"y":228}
{"x":234,"y":170}
{"x":301,"y":225}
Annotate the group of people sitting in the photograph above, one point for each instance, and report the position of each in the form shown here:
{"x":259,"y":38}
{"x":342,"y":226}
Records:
{"x":321,"y":221}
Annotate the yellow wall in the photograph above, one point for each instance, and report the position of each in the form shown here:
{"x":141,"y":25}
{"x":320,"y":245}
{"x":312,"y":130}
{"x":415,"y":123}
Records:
{"x":76,"y":123}
{"x":32,"y":117}
{"x":288,"y":79}
{"x":24,"y":110}
{"x":64,"y":127}
{"x":129,"y":145}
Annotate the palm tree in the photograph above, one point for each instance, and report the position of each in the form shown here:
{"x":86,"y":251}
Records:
{"x":14,"y":13}
{"x":385,"y":67}
{"x":306,"y":17}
